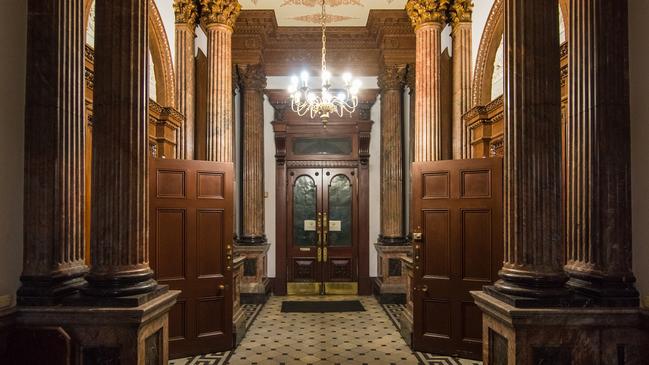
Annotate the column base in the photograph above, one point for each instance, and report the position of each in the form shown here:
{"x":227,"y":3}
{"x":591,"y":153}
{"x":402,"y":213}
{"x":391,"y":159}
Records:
{"x":393,"y":241}
{"x":560,"y":336}
{"x":255,"y":286}
{"x":251,"y":240}
{"x":129,"y":284}
{"x":127,"y":301}
{"x":527,"y":289}
{"x":50,"y":290}
{"x":390,"y":287}
{"x":603,"y":291}
{"x":93,"y":335}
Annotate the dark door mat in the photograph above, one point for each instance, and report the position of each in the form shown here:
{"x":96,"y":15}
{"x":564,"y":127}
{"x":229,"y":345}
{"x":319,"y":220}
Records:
{"x":295,"y":306}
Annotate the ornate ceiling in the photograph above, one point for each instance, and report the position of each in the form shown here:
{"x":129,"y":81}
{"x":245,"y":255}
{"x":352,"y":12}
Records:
{"x":345,"y":13}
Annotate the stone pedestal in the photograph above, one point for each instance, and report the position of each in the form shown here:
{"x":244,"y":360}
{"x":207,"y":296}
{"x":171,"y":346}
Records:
{"x":390,"y":286}
{"x":97,"y":335}
{"x":255,"y":286}
{"x":406,"y":320}
{"x":561,"y":336}
{"x":238,"y":315}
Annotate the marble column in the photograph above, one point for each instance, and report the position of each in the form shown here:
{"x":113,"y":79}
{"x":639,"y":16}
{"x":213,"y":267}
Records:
{"x":253,"y":82}
{"x":218,"y":18}
{"x":460,"y":16}
{"x":598,"y":209}
{"x":410,"y":82}
{"x":428,"y":17}
{"x":186,"y":12}
{"x":120,"y":221}
{"x":53,"y":260}
{"x":391,"y":82}
{"x":534,"y":252}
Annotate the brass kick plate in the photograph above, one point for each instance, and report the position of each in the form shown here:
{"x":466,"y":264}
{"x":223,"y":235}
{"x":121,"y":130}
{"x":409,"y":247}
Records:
{"x":341,"y":288}
{"x":303,"y":288}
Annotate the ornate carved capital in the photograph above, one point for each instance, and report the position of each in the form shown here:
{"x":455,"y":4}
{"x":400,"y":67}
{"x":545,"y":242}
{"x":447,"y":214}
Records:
{"x":410,"y":77}
{"x":219,"y":12}
{"x":252,"y":76}
{"x":186,"y":11}
{"x":460,"y":11}
{"x":392,"y":77}
{"x":427,"y":11}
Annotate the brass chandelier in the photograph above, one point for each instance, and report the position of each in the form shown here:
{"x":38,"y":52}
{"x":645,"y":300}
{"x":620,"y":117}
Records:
{"x":324,"y":101}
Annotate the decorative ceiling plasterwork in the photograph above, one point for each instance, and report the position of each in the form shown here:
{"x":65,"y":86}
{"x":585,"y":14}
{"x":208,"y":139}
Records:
{"x":344,"y":13}
{"x":386,"y":38}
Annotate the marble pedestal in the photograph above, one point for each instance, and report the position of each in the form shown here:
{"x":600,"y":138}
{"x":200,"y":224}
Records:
{"x":94,"y":335}
{"x":390,"y":285}
{"x":238,"y":317}
{"x":255,"y":286}
{"x":406,"y":321}
{"x":561,"y":336}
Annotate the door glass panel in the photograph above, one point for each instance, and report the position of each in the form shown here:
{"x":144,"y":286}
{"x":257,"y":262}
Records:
{"x":304,"y":211}
{"x":340,"y":211}
{"x":322,"y":146}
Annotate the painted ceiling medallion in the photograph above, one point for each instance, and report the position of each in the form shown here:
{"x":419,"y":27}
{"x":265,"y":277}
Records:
{"x":313,"y":3}
{"x":315,"y":18}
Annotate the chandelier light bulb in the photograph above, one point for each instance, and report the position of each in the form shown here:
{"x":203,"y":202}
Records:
{"x":305,"y":77}
{"x":347,"y":78}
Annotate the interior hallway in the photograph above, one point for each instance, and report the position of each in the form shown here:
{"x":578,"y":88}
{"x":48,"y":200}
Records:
{"x":350,"y":338}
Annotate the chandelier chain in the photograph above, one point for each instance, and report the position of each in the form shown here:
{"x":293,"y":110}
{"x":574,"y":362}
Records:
{"x":323,"y":22}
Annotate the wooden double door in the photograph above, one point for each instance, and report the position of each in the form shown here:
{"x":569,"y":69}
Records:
{"x":322,"y":231}
{"x":457,"y":221}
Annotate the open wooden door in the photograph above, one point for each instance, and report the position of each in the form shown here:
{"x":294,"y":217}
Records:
{"x":457,"y":222}
{"x":191,"y":220}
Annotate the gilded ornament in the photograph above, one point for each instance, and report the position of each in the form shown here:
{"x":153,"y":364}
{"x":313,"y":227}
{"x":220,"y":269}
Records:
{"x":186,"y":11}
{"x":219,"y":12}
{"x":461,"y":11}
{"x":427,"y":11}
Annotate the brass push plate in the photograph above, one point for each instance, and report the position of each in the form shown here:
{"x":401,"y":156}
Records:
{"x":305,"y":249}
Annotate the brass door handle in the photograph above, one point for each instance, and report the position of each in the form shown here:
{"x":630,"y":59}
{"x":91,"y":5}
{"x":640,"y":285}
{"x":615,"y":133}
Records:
{"x":319,"y":255}
{"x":325,"y":228}
{"x":324,"y":254}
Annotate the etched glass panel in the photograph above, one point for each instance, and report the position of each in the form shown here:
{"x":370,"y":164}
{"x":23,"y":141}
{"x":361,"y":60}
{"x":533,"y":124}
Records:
{"x":322,"y":146}
{"x":340,"y":211}
{"x":304,"y":211}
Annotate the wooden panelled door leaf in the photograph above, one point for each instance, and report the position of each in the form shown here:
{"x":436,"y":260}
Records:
{"x":457,"y":223}
{"x":191,"y":222}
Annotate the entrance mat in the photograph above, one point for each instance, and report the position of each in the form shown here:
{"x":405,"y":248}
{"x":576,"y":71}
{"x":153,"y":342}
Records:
{"x":324,"y":306}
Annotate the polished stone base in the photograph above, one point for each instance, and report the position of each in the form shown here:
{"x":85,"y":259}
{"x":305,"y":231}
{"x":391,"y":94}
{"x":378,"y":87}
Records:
{"x":406,"y":325}
{"x":239,"y":326}
{"x":388,"y":293}
{"x":390,"y":286}
{"x":101,"y":335}
{"x":560,"y":336}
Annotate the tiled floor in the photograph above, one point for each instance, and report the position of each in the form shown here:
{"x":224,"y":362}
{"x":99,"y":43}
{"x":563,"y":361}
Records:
{"x":352,"y":338}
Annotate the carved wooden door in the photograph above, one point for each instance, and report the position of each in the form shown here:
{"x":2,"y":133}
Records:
{"x":191,"y":224}
{"x":457,"y":222}
{"x":322,"y":231}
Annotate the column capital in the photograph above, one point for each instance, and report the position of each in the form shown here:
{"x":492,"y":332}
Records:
{"x":252,"y":76}
{"x":186,"y":12}
{"x":223,"y":12}
{"x":392,"y":77}
{"x":411,"y":77}
{"x":460,"y":11}
{"x":422,"y":12}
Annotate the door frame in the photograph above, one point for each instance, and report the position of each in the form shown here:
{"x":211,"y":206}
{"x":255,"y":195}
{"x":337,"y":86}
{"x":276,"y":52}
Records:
{"x":285,"y":132}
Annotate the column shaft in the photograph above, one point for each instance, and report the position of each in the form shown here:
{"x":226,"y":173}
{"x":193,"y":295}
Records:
{"x":53,"y":261}
{"x":220,"y":126}
{"x":120,"y":222}
{"x":186,"y":13}
{"x":391,"y":82}
{"x":533,"y":246}
{"x":598,"y":210}
{"x":461,"y":85}
{"x":253,"y":83}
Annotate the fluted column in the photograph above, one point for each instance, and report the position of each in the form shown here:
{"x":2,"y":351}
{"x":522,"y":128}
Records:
{"x":218,"y":17}
{"x":253,"y":83}
{"x":534,"y":253}
{"x":120,"y":221}
{"x":598,"y":215}
{"x":53,"y":260}
{"x":410,"y":82}
{"x":186,"y":12}
{"x":460,"y":16}
{"x":391,"y":82}
{"x":428,"y":17}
